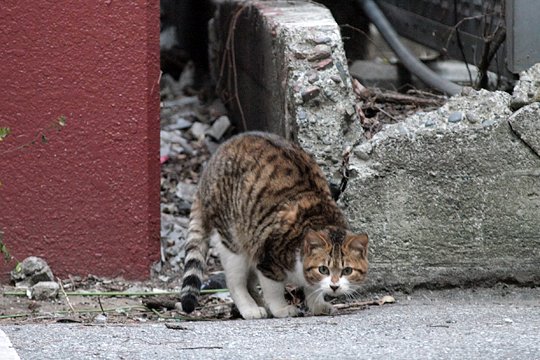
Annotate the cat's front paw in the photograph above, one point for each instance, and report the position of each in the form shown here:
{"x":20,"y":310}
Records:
{"x":251,"y":313}
{"x":322,"y":308}
{"x":287,"y":311}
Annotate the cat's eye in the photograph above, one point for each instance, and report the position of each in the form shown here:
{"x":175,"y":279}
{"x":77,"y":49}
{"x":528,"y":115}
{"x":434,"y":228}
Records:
{"x":346,"y":271}
{"x":324,"y":270}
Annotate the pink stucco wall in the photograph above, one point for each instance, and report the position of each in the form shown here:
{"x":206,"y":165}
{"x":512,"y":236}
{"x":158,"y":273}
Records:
{"x":88,"y":200}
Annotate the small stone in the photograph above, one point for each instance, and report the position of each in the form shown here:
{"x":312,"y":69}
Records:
{"x":44,"y":290}
{"x":219,"y":127}
{"x":508,"y":321}
{"x":31,"y":271}
{"x":335,"y":78}
{"x":324,"y":64}
{"x":322,"y":39}
{"x":488,"y":122}
{"x":430,"y":123}
{"x":472,"y":117}
{"x":301,"y":115}
{"x":180,"y":124}
{"x":312,"y":76}
{"x":320,"y":52}
{"x":310,"y":93}
{"x":199,"y":129}
{"x":455,"y":117}
{"x":186,"y":191}
{"x":100,"y":319}
{"x":363,"y":151}
{"x":215,"y":281}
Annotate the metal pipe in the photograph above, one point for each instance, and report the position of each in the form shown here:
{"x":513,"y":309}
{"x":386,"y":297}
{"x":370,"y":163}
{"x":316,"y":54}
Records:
{"x":408,"y":59}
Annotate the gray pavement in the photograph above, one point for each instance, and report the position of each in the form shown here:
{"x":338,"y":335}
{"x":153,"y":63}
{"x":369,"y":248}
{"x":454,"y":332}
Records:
{"x":501,"y":323}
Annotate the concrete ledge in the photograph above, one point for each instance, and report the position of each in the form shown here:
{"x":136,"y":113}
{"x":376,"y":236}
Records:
{"x":451,"y":197}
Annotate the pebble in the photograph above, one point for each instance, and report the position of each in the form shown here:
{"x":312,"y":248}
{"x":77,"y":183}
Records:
{"x":320,"y":52}
{"x":472,"y":117}
{"x":31,"y":271}
{"x":186,"y":191}
{"x":312,"y":76}
{"x":44,"y":290}
{"x":215,"y":281}
{"x":455,"y":117}
{"x":321,"y":39}
{"x":100,"y":319}
{"x":199,"y":129}
{"x":430,"y":123}
{"x":324,"y":64}
{"x":180,"y":124}
{"x":488,"y":122}
{"x":219,"y":127}
{"x":335,"y":78}
{"x":310,"y":93}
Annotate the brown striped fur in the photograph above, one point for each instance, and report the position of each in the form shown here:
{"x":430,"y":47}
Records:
{"x":272,"y":208}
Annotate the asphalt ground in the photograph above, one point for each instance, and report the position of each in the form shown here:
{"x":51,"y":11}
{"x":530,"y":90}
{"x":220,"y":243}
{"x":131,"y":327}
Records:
{"x":500,"y":323}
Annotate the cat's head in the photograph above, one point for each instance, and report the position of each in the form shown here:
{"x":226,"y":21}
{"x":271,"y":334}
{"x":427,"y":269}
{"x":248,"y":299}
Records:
{"x":335,"y":260}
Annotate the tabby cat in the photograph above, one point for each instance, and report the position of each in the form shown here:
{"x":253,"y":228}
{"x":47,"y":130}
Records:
{"x":277,"y":223}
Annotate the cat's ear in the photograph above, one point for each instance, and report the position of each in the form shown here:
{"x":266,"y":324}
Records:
{"x":315,"y":239}
{"x":356,"y":242}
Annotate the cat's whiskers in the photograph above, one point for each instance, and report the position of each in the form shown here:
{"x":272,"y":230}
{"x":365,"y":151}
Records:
{"x":316,"y":296}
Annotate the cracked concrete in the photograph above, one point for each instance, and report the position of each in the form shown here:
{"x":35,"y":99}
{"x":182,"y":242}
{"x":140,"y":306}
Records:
{"x":451,"y":203}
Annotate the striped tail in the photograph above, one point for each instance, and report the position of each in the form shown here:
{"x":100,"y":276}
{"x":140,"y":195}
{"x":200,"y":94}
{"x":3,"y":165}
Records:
{"x":196,"y":249}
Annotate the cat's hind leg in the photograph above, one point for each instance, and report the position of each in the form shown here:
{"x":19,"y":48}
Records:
{"x":237,"y":272}
{"x":273,"y":294}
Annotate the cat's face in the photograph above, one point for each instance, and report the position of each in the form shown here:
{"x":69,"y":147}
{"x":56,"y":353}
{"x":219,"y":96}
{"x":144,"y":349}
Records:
{"x":335,"y":260}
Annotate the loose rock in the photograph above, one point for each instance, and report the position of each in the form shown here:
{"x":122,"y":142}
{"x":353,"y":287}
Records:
{"x":31,"y":271}
{"x":527,"y":89}
{"x":186,"y":191}
{"x":219,"y":127}
{"x":44,"y":290}
{"x":199,"y":130}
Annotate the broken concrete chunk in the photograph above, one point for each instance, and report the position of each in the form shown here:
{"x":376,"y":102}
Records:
{"x":199,"y":129}
{"x":186,"y":191}
{"x":44,"y":290}
{"x":527,"y":89}
{"x":180,"y":123}
{"x":451,"y":192}
{"x":31,"y":271}
{"x":219,"y":127}
{"x":525,"y":123}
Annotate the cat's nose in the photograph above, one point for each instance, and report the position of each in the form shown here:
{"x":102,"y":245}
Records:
{"x":334,"y":287}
